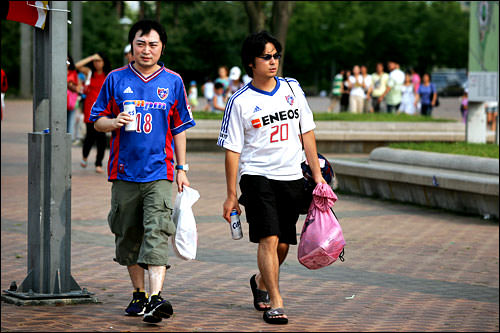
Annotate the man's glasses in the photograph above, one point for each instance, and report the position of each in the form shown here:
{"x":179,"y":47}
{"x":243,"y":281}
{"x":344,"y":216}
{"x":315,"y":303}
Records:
{"x":267,"y":57}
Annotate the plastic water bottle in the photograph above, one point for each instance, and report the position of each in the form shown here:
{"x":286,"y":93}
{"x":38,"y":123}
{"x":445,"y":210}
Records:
{"x":129,"y":107}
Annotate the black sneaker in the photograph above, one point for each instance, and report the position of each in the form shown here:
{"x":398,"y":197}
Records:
{"x":138,"y":304}
{"x":157,"y":309}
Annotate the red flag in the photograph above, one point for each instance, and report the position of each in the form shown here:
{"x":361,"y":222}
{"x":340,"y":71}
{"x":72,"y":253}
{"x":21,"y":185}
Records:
{"x":30,"y":12}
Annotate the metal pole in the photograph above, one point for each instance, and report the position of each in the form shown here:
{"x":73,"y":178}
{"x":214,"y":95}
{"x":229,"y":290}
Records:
{"x":41,"y":70}
{"x":49,"y":174}
{"x":57,"y":241}
{"x":25,"y":58}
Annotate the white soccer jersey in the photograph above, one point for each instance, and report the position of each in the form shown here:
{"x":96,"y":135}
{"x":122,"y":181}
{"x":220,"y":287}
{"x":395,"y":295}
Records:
{"x":264,"y":128}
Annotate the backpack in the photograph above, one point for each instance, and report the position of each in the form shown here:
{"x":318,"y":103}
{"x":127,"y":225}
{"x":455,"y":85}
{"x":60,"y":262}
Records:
{"x":309,"y":184}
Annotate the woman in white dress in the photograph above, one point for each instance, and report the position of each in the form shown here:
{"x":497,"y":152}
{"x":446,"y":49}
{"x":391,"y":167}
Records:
{"x":407,"y":96}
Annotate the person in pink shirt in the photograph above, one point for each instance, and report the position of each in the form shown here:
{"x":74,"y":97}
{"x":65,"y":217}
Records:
{"x":415,"y":80}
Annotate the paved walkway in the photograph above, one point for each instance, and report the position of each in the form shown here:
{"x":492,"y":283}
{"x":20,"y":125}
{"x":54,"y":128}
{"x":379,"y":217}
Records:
{"x":407,"y":268}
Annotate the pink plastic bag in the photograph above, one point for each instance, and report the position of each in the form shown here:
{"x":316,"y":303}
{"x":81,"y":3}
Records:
{"x":72,"y":98}
{"x":321,"y":240}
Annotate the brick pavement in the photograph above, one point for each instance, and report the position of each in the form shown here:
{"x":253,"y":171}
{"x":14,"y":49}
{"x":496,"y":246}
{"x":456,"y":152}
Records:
{"x":407,"y":268}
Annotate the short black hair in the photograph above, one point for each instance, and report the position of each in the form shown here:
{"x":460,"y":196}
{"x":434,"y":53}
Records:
{"x":146,"y":26}
{"x":218,"y":85}
{"x":107,"y":64}
{"x":253,"y":46}
{"x":71,"y":66}
{"x":106,"y":67}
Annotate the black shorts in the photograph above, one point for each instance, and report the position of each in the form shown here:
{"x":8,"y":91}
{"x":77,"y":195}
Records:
{"x":271,"y":207}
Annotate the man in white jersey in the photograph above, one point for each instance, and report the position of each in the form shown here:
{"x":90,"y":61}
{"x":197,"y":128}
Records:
{"x":260,"y":132}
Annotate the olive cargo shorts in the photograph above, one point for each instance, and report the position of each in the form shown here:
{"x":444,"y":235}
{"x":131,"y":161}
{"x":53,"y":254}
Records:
{"x":141,"y":220}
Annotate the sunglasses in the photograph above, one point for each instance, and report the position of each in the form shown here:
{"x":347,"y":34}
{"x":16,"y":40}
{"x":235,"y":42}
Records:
{"x":267,"y":57}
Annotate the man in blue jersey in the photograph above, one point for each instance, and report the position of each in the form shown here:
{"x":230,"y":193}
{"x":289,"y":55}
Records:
{"x":261,"y":134}
{"x":141,"y":162}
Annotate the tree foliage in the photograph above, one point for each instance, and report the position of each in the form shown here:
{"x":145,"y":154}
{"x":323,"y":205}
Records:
{"x":327,"y":36}
{"x":202,"y":36}
{"x":102,"y":31}
{"x":275,"y":20}
{"x":323,"y":36}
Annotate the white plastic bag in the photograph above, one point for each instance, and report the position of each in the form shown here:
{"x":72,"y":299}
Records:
{"x":185,"y":239}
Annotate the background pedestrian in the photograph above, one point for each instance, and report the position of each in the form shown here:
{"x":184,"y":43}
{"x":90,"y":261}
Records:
{"x":336,"y":92}
{"x":379,"y":79}
{"x":427,"y":95}
{"x":97,"y":68}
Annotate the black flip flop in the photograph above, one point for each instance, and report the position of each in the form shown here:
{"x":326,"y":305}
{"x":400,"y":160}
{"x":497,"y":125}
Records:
{"x":271,"y":316}
{"x":259,"y":296}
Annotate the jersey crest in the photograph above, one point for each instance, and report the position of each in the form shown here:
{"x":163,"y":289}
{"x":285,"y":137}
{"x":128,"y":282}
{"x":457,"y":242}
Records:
{"x":290,"y":100}
{"x":162,"y":93}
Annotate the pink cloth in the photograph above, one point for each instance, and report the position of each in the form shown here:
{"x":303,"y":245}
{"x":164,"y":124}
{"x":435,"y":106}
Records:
{"x":415,"y":79}
{"x":321,"y":240}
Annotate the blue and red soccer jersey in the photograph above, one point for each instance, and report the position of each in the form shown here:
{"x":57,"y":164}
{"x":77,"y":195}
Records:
{"x":162,"y":111}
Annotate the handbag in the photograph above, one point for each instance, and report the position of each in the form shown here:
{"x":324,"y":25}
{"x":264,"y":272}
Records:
{"x":321,"y":240}
{"x":185,"y":239}
{"x":309,"y":184}
{"x":72,"y":98}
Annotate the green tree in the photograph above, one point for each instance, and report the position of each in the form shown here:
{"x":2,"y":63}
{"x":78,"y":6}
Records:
{"x":445,"y":32}
{"x":323,"y":35}
{"x":322,"y":38}
{"x":327,"y":36}
{"x":203,"y":36}
{"x":102,"y":31}
{"x":260,"y":12}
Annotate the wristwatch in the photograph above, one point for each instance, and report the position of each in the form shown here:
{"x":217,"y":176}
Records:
{"x":184,"y":167}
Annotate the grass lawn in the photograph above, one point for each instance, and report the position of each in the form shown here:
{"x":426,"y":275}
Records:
{"x":345,"y":116}
{"x":383,"y":117}
{"x":461,"y":148}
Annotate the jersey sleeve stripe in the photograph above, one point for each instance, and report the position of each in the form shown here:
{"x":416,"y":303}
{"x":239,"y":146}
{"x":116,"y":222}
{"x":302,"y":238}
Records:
{"x":227,"y":111}
{"x":169,"y":152}
{"x":289,"y":79}
{"x":114,"y":153}
{"x":175,"y":120}
{"x":183,"y":127}
{"x":111,"y":111}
